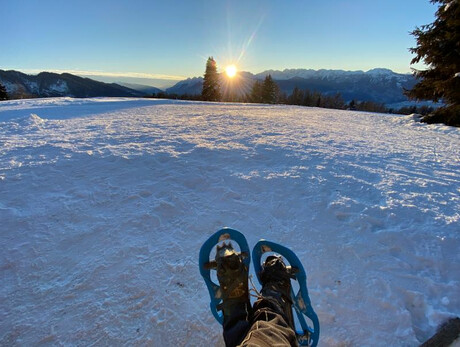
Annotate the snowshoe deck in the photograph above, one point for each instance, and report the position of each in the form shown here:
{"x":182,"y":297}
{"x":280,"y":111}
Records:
{"x":206,"y":265}
{"x":306,"y":335}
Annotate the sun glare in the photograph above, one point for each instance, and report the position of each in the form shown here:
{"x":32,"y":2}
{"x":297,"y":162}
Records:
{"x":230,"y":71}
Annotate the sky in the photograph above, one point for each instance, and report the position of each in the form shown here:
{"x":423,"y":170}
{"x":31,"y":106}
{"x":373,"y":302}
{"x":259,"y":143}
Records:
{"x":169,"y":40}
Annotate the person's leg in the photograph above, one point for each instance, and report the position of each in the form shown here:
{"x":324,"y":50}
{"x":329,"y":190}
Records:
{"x":272,"y":321}
{"x":269,"y":326}
{"x":236,"y":326}
{"x":232,"y":274}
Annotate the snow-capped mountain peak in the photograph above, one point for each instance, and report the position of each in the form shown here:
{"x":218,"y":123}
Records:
{"x":324,"y":73}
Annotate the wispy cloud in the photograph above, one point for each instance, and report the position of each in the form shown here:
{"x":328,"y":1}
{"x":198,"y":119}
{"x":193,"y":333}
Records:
{"x":109,"y":74}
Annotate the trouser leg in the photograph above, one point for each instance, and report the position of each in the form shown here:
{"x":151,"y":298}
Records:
{"x":269,"y":326}
{"x":236,"y":326}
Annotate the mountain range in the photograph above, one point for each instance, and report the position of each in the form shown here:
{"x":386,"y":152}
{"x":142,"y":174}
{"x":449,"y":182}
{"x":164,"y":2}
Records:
{"x":378,"y":85}
{"x":47,"y":84}
{"x":141,"y":88}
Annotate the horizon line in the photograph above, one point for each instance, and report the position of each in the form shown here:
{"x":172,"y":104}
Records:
{"x":142,"y":75}
{"x":103,"y":73}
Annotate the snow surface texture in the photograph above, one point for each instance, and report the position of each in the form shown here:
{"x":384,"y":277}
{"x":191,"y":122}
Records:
{"x":105,"y":203}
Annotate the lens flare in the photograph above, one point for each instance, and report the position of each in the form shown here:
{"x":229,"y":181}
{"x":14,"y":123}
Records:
{"x":231,"y":71}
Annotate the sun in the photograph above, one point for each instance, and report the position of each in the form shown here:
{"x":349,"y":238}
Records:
{"x":230,"y":70}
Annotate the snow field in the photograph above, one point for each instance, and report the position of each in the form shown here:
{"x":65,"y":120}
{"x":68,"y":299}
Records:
{"x":104,"y":205}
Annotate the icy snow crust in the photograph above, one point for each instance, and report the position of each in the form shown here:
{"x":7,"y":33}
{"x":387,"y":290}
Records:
{"x":104,"y":204}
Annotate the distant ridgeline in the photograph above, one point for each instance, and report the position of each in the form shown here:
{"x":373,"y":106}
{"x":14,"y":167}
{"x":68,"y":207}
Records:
{"x":379,"y":85}
{"x":377,"y":90}
{"x":46,"y":84}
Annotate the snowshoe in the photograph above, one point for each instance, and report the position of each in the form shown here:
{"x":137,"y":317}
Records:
{"x":232,"y":268}
{"x":275,"y":278}
{"x":306,"y":335}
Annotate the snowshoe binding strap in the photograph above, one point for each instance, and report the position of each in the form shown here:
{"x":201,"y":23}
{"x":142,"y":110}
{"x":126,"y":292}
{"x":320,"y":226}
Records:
{"x":224,"y":253}
{"x":306,"y":335}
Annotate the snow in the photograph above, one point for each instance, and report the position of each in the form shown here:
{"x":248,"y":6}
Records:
{"x":380,"y":72}
{"x":10,"y":87}
{"x":33,"y":86}
{"x":60,"y":87}
{"x":105,"y":203}
{"x":377,"y":73}
{"x":409,"y":103}
{"x":188,"y":83}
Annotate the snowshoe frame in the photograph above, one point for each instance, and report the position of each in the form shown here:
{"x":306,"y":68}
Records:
{"x":307,"y":336}
{"x":206,"y":265}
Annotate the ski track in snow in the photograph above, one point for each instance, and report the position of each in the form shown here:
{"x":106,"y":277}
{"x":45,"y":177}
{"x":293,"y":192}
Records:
{"x":105,"y":203}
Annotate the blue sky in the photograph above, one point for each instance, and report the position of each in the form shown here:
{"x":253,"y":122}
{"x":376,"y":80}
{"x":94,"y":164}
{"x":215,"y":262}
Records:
{"x":172,"y":39}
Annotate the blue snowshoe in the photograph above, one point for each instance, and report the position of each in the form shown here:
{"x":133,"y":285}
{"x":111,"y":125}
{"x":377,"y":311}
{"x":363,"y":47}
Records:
{"x":306,"y":335}
{"x":232,"y":269}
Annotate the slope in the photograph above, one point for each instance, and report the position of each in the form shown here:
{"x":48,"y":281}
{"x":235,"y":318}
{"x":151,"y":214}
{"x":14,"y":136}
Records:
{"x":104,"y":204}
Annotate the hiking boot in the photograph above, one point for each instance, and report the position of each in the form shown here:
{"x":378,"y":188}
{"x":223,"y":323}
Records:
{"x":276,"y":283}
{"x":232,"y":274}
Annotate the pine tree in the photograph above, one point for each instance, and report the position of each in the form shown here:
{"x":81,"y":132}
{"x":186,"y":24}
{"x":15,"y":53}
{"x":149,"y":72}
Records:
{"x":352,"y":105}
{"x":256,"y":92}
{"x":308,"y":98}
{"x":335,"y":101}
{"x":438,"y":46}
{"x":296,"y":98}
{"x":3,"y":93}
{"x":317,"y":97}
{"x":211,"y":86}
{"x":269,"y":90}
